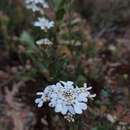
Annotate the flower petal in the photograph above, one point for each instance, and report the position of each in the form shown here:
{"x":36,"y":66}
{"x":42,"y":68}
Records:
{"x":92,"y":95}
{"x":58,"y":107}
{"x":64,"y":109}
{"x":40,"y":93}
{"x":38,"y":100}
{"x":83,"y":106}
{"x":84,"y":95}
{"x":77,"y":109}
{"x":71,"y":109}
{"x":89,"y":88}
{"x":59,"y":85}
{"x":82,"y":99}
{"x":40,"y":104}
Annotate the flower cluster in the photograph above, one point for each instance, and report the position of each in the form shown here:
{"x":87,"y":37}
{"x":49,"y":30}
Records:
{"x":44,"y":41}
{"x":42,"y":21}
{"x":36,"y":5}
{"x":66,"y":98}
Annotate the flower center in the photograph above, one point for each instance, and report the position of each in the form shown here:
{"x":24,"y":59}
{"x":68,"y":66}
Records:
{"x":69,"y":96}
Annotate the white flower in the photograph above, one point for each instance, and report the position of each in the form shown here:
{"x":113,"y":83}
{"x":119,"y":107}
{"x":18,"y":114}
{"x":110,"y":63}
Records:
{"x":36,"y":5}
{"x":40,"y":100}
{"x":111,"y":118}
{"x":44,"y":41}
{"x":67,"y":98}
{"x":33,"y":7}
{"x":44,"y":23}
{"x":40,"y":3}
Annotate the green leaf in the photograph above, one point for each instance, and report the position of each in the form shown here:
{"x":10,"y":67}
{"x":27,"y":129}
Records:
{"x":27,"y":39}
{"x":60,"y":14}
{"x":58,"y":4}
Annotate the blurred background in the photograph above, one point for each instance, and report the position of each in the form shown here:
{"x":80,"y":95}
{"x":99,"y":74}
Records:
{"x":98,"y":55}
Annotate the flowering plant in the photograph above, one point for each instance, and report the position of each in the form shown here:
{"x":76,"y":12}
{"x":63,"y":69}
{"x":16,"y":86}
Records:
{"x":66,"y":98}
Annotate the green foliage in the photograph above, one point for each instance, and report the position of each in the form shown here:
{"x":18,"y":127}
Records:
{"x":58,"y":4}
{"x":27,"y":39}
{"x":60,"y":13}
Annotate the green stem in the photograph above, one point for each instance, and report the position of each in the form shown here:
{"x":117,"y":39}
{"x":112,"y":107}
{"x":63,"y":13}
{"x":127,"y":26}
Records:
{"x":72,"y":126}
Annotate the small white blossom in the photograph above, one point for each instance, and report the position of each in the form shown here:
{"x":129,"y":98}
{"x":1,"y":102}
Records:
{"x":44,"y":41}
{"x":33,"y":7}
{"x":111,"y":118}
{"x":41,"y":99}
{"x":36,"y":5}
{"x":44,"y":23}
{"x":66,"y":98}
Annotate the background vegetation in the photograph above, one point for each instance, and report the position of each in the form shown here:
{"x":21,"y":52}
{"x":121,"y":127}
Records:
{"x":92,"y":46}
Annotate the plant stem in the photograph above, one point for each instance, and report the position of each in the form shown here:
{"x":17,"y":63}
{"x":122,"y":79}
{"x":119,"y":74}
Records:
{"x":71,"y":126}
